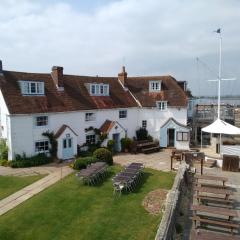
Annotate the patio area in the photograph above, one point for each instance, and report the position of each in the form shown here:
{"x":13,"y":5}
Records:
{"x":158,"y":161}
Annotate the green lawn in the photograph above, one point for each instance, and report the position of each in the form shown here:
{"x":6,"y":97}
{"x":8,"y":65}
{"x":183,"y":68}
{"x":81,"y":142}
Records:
{"x":11,"y":184}
{"x":70,"y":210}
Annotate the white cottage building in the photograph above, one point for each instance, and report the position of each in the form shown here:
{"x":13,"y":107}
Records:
{"x":33,"y":103}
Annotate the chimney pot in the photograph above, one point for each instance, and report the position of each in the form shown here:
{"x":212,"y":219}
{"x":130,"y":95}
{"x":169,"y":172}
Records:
{"x":57,"y":76}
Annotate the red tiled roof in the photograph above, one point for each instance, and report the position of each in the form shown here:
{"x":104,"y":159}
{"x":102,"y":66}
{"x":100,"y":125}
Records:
{"x":74,"y":97}
{"x":107,"y":126}
{"x":62,"y":129}
{"x":170,"y":91}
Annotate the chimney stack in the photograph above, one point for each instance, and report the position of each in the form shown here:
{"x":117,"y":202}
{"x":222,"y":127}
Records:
{"x":57,"y":76}
{"x":122,"y":77}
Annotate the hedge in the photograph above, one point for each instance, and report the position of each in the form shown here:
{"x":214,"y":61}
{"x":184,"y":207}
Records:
{"x":103,"y":155}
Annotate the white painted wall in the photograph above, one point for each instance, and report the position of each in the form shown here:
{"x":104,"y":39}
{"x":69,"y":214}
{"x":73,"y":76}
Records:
{"x":3,"y":117}
{"x":25,"y":133}
{"x":156,"y":118}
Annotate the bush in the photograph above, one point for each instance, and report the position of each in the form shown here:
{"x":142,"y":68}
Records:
{"x":142,"y":134}
{"x":103,"y":155}
{"x":126,"y":143}
{"x":110,"y":145}
{"x":3,"y":150}
{"x":82,"y":162}
{"x":23,"y":161}
{"x":4,"y":163}
{"x":84,"y":154}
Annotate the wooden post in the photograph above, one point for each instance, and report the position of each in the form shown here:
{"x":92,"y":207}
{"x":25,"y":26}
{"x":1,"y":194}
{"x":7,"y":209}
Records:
{"x":171,"y":163}
{"x":201,"y":166}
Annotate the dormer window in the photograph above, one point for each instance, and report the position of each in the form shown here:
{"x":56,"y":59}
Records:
{"x":162,"y":105}
{"x":154,"y":86}
{"x":99,"y":89}
{"x":31,"y":88}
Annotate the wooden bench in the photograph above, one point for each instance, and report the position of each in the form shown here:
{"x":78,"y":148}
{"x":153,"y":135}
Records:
{"x":203,"y":235}
{"x":216,"y":191}
{"x":221,"y":223}
{"x":228,"y":202}
{"x":211,"y":178}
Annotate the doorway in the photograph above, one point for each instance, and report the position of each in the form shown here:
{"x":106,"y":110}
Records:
{"x":67,"y":148}
{"x":171,"y":137}
{"x":117,"y":144}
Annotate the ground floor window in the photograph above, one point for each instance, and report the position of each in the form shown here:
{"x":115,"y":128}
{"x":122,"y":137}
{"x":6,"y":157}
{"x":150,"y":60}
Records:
{"x":144,"y":124}
{"x":182,"y":136}
{"x":91,"y":139}
{"x":42,"y":146}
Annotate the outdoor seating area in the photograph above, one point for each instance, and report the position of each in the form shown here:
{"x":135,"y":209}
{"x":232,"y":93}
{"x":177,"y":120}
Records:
{"x":128,"y":178}
{"x":94,"y":173}
{"x":213,"y":209}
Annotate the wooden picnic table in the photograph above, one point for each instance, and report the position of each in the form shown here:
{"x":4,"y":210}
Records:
{"x":230,"y":213}
{"x":217,"y":191}
{"x":211,"y":178}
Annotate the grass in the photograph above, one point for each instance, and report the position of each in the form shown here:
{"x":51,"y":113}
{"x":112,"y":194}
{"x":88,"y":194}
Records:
{"x":11,"y":184}
{"x":70,"y":210}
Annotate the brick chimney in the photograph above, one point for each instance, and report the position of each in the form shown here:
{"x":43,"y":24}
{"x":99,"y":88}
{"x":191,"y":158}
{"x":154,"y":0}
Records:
{"x":122,"y":77}
{"x":57,"y":76}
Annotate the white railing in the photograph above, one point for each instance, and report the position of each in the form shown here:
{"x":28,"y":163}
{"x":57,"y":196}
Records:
{"x":231,"y":149}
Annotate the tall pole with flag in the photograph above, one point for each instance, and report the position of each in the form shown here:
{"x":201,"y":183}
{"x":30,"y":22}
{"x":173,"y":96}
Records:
{"x":219,"y":71}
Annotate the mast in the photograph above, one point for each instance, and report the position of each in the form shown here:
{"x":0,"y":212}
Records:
{"x":219,"y":72}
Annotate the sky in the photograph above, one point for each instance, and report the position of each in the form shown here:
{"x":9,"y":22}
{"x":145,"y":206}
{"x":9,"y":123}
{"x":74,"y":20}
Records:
{"x":149,"y":37}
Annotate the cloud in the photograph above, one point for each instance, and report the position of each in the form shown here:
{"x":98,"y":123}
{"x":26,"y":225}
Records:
{"x":150,"y":37}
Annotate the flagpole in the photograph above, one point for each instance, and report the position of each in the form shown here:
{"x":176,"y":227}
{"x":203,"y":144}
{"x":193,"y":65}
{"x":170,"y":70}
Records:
{"x":219,"y":73}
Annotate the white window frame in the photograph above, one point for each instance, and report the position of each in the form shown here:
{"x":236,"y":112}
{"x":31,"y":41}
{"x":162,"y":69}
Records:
{"x":99,"y":89}
{"x":144,"y":124}
{"x":32,"y":88}
{"x":182,"y":136}
{"x":90,"y":139}
{"x":45,"y":146}
{"x":162,"y":105}
{"x":38,"y":120}
{"x":155,"y":86}
{"x":123,"y":114}
{"x":90,"y":116}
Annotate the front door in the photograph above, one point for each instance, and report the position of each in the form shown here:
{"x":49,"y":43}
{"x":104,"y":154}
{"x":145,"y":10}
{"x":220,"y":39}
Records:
{"x":171,"y":137}
{"x":67,"y":148}
{"x":117,"y":144}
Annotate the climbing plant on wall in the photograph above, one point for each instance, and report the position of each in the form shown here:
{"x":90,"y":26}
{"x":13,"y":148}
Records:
{"x":53,"y":142}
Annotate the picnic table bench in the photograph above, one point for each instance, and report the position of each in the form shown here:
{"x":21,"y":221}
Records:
{"x":211,"y":178}
{"x":215,"y":200}
{"x":221,"y":223}
{"x":230,"y":213}
{"x":216,"y":191}
{"x":203,"y":235}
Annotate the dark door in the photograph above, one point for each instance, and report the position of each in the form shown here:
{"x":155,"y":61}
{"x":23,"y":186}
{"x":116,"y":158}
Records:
{"x":171,"y":137}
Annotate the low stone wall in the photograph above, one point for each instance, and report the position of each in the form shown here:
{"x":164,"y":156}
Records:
{"x":166,"y":230}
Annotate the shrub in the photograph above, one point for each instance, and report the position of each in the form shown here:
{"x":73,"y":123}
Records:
{"x":3,"y":150}
{"x":126,"y":143}
{"x":110,"y":145}
{"x":4,"y":163}
{"x":142,"y":134}
{"x":82,"y":162}
{"x":23,"y":161}
{"x":103,"y":155}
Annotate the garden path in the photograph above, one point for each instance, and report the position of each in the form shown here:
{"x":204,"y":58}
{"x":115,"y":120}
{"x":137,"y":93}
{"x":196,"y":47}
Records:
{"x":22,"y":195}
